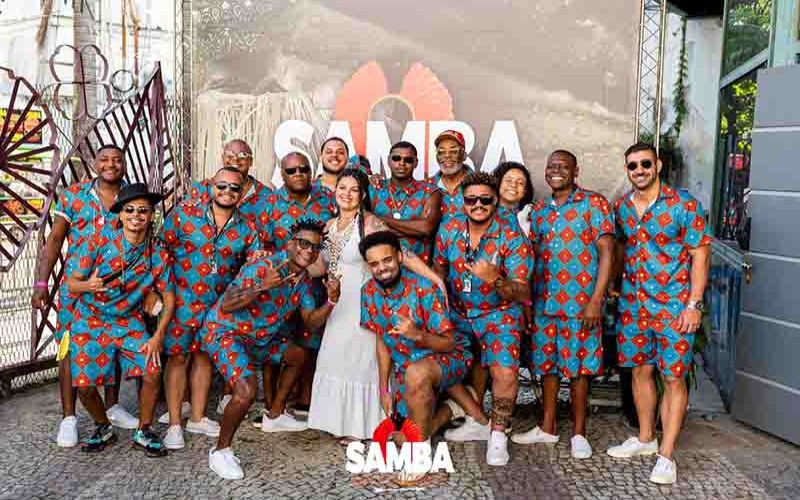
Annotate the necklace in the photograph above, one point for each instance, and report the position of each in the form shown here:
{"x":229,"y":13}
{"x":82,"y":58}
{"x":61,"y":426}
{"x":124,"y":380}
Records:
{"x":338,"y":240}
{"x":398,"y":207}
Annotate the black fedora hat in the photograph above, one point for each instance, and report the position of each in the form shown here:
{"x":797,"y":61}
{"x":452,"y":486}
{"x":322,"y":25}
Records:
{"x":134,"y":192}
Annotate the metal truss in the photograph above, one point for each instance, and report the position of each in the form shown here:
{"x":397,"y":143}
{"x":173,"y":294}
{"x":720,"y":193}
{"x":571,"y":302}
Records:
{"x":652,"y":36}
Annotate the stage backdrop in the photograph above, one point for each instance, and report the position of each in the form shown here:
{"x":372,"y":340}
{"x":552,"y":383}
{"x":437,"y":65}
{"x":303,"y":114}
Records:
{"x":520,"y":78}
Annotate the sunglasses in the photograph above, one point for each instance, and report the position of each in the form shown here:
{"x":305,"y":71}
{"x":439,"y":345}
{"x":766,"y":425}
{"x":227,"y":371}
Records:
{"x":305,"y":170}
{"x":232,"y":186}
{"x":141,"y":210}
{"x":408,"y":160}
{"x":645,"y":164}
{"x":304,"y":244}
{"x":238,"y":156}
{"x":484,"y":200}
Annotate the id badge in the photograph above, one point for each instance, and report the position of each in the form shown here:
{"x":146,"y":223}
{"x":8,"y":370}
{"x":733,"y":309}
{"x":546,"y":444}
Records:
{"x":468,"y":284}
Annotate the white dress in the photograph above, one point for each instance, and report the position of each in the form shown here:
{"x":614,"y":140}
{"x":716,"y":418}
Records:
{"x":344,"y":398}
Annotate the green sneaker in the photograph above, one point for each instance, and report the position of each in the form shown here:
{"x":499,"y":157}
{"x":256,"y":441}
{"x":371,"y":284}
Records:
{"x":149,"y":441}
{"x":102,"y":436}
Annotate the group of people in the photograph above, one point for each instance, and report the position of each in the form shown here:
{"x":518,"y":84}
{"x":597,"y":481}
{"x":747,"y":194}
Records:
{"x":357,"y":297}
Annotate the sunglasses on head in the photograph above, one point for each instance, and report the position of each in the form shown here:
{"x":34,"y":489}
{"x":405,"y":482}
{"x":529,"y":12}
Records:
{"x":484,"y":200}
{"x":305,"y":170}
{"x":645,"y":164}
{"x":408,"y":160}
{"x":141,"y":209}
{"x":232,"y":186}
{"x":305,"y":244}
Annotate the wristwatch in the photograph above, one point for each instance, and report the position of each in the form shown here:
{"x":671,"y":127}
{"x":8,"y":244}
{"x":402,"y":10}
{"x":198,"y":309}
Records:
{"x":697,"y":305}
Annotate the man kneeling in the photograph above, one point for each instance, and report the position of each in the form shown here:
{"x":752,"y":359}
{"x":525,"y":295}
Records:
{"x":409,"y":315}
{"x":241,"y":326}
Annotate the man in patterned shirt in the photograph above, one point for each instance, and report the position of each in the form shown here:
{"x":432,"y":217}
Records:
{"x":112,"y":273}
{"x":334,"y":156}
{"x":240,"y":327}
{"x":409,"y":315}
{"x":81,"y":211}
{"x":450,"y":154}
{"x":666,"y":248}
{"x":487,"y":264}
{"x":410,"y":208}
{"x":237,"y":154}
{"x":208,"y":243}
{"x":573,"y":238}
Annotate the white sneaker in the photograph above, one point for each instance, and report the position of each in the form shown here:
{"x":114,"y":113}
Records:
{"x":470,"y":431}
{"x":497,"y":449}
{"x":68,"y":432}
{"x":284,"y":423}
{"x":665,"y":471}
{"x":173,"y":439}
{"x":535,"y":435}
{"x":580,"y":447}
{"x":204,"y":426}
{"x":633,"y":447}
{"x":225,"y":463}
{"x":121,"y":418}
{"x":223,"y":402}
{"x":186,"y":410}
{"x":456,"y":410}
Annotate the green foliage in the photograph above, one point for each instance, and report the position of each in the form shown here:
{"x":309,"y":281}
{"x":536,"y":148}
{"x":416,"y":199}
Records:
{"x":737,"y":108}
{"x":679,"y":91}
{"x":747,"y":31}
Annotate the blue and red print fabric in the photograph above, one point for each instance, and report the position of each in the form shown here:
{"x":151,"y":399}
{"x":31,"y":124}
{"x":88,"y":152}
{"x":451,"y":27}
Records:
{"x":111,"y":322}
{"x":204,"y":262}
{"x":408,"y":201}
{"x":252,"y":206}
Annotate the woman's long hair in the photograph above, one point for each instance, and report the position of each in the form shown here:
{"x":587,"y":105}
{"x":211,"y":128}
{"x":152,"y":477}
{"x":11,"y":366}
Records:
{"x":363,"y":186}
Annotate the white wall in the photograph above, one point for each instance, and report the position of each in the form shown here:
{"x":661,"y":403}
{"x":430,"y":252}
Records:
{"x":698,"y":135}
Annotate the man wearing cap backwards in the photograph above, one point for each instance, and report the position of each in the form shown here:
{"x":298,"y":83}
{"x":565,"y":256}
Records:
{"x":208,"y":243}
{"x":410,"y":208}
{"x":256,"y":308}
{"x":487,"y":264}
{"x":237,"y":154}
{"x":81,"y":211}
{"x":113,"y":271}
{"x":450,"y":154}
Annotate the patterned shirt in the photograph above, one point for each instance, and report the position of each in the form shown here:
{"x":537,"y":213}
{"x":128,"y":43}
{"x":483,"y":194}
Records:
{"x":452,"y":203}
{"x":656,"y":282}
{"x":501,"y":245}
{"x":284,"y":211}
{"x":130,"y":272}
{"x":564,"y":239}
{"x":251,"y":206}
{"x":80,"y":206}
{"x":203,"y":260}
{"x":270,"y":312}
{"x":409,"y":201}
{"x":415,"y":298}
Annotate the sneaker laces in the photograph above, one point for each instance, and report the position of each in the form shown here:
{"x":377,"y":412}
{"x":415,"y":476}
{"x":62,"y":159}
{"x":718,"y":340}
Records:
{"x":99,"y":433}
{"x":631,"y":440}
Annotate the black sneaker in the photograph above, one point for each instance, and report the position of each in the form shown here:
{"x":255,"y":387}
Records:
{"x":102,"y":436}
{"x":301,"y":410}
{"x":257,"y":421}
{"x":147,"y":440}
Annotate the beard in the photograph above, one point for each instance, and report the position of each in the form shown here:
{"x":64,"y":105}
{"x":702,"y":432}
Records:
{"x":332,"y":171}
{"x":389,"y":283}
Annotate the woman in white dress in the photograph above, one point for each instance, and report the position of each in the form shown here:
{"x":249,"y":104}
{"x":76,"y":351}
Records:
{"x":345,"y":399}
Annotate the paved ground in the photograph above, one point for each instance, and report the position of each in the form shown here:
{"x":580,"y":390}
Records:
{"x":718,"y":459}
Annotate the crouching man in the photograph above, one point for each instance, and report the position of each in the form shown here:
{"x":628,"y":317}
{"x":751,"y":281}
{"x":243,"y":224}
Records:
{"x":115,"y":269}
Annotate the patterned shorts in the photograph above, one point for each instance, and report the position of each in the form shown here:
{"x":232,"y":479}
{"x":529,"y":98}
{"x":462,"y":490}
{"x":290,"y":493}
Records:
{"x":93,"y":352}
{"x":654,"y":342}
{"x":454,"y":365}
{"x":563,"y":346}
{"x":241,"y":356}
{"x":499,"y":334}
{"x":181,"y":339}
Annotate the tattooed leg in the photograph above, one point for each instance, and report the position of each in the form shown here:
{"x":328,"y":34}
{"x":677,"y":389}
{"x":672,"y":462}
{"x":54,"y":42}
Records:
{"x":502,"y":408}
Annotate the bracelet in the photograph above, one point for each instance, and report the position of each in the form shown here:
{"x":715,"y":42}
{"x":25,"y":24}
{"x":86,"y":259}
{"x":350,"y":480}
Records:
{"x":385,"y":392}
{"x":40,"y":284}
{"x":332,"y":303}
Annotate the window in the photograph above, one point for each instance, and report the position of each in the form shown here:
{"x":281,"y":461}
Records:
{"x":747,"y":31}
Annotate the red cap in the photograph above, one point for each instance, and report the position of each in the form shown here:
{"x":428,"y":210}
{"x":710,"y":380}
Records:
{"x":451,"y":134}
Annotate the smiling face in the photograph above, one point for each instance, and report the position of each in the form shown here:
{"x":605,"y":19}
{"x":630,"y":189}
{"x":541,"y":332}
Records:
{"x":348,"y":194}
{"x":237,"y":154}
{"x":647,"y":168}
{"x":304,"y":247}
{"x":450,"y":156}
{"x":560,"y":172}
{"x":136,"y":215}
{"x":227,"y":188}
{"x":480,"y":202}
{"x":334,"y":156}
{"x":513,"y":186}
{"x":384,"y":264}
{"x":110,"y":165}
